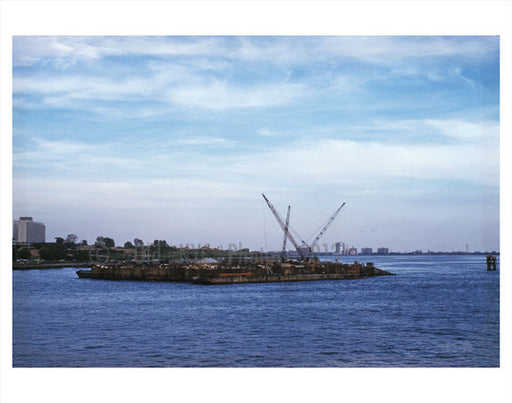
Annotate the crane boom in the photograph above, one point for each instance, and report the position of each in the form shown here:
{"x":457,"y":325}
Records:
{"x":283,"y":226}
{"x":329,"y":222}
{"x":283,"y":252}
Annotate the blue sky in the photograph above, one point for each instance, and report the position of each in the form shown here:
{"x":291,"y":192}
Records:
{"x":176,"y":138}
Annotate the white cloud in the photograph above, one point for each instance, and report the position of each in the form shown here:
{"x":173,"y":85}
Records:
{"x":485,"y":131}
{"x":269,"y":132}
{"x":83,"y":87}
{"x":397,"y":131}
{"x":63,"y":147}
{"x":62,"y":157}
{"x":177,"y":86}
{"x":220,"y":95}
{"x":321,"y":159}
{"x":329,"y":162}
{"x":391,"y":50}
{"x":65,"y":51}
{"x":62,"y":51}
{"x":134,"y":194}
{"x":210,"y":79}
{"x":200,"y":141}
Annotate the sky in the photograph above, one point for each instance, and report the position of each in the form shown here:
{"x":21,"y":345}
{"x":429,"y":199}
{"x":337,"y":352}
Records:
{"x":176,"y":138}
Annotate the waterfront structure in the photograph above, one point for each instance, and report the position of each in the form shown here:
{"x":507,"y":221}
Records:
{"x":366,"y":251}
{"x":382,"y":251}
{"x":352,"y":251}
{"x":26,"y":230}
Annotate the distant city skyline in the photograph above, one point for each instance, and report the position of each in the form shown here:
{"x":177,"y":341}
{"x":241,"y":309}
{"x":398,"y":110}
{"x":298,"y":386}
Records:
{"x":176,"y":138}
{"x":339,"y":247}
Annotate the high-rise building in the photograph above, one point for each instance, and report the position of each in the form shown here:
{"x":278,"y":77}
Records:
{"x":366,"y":251}
{"x":382,"y":251}
{"x":26,"y":230}
{"x":340,"y":248}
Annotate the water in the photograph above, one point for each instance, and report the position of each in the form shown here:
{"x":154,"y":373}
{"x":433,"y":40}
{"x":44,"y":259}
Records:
{"x":438,"y":311}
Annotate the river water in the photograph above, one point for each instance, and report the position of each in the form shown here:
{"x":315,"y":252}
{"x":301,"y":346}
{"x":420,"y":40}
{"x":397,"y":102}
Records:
{"x":438,"y":311}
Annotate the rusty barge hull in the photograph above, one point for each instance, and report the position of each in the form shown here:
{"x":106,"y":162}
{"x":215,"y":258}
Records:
{"x":273,"y":278}
{"x":138,"y":273}
{"x":212,"y":274}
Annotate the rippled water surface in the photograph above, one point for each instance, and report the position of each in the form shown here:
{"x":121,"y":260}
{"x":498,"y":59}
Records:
{"x":438,"y":311}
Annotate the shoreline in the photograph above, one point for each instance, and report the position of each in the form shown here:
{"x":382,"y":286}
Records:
{"x":51,"y":266}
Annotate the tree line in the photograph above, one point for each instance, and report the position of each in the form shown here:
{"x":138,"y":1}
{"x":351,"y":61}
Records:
{"x":69,"y":249}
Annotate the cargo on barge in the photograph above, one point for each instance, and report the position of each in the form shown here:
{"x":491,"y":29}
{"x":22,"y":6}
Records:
{"x":230,"y":273}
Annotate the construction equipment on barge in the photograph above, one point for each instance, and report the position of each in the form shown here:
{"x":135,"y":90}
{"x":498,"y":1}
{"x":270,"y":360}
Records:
{"x":304,"y":250}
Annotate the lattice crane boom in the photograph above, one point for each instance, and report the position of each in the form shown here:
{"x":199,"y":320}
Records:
{"x":283,"y":252}
{"x":284,"y":227}
{"x":329,"y":222}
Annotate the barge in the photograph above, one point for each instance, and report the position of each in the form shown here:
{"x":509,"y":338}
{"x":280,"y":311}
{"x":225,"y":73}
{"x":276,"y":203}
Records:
{"x":233,"y":273}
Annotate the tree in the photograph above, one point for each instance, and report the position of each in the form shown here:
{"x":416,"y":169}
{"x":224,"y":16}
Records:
{"x":81,"y":255}
{"x":59,"y":240}
{"x":160,"y":245}
{"x":84,"y":242}
{"x":24,"y":253}
{"x":138,"y":242}
{"x":100,"y":242}
{"x":128,"y":245}
{"x":71,"y":239}
{"x":47,"y":252}
{"x":109,"y":243}
{"x":104,"y":242}
{"x":52,"y":252}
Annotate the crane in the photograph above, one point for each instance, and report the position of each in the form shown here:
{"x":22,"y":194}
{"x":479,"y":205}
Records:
{"x":304,"y":250}
{"x":284,"y":228}
{"x":329,"y":222}
{"x":283,"y":252}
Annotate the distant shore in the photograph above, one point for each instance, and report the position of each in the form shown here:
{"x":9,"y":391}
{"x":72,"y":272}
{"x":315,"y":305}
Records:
{"x":59,"y":265}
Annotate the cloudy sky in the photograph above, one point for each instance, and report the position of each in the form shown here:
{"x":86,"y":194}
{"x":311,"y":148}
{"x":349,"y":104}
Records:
{"x":176,"y":138}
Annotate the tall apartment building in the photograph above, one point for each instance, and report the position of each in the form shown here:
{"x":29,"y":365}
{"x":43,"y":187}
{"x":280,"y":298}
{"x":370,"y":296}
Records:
{"x":340,"y":248}
{"x":366,"y":251}
{"x":382,"y":251}
{"x":26,"y":230}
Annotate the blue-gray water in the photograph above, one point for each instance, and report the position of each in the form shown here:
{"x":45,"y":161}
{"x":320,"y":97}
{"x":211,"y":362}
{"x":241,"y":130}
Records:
{"x":438,"y":311}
